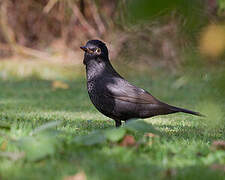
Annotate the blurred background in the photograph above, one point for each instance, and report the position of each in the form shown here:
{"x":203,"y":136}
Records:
{"x":159,"y":34}
{"x":174,"y":49}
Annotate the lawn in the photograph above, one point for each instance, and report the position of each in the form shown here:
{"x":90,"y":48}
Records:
{"x":45,"y":110}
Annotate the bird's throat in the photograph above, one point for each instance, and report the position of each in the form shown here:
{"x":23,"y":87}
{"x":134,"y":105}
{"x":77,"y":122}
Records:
{"x":94,"y":69}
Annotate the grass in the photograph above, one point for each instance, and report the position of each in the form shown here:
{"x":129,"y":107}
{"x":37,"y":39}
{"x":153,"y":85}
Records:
{"x":183,"y":151}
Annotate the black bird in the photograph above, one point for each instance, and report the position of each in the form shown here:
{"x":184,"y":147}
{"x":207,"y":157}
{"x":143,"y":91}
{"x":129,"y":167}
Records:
{"x":115,"y":97}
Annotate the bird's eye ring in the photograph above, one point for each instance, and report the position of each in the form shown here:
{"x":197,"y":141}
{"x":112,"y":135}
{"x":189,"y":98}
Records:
{"x":98,"y":51}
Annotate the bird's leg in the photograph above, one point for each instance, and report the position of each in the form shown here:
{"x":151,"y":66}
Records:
{"x":118,"y":123}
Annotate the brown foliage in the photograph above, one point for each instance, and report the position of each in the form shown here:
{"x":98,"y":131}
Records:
{"x":44,"y":28}
{"x":37,"y":23}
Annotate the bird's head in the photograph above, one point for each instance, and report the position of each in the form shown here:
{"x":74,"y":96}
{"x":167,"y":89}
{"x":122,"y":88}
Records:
{"x":95,"y":49}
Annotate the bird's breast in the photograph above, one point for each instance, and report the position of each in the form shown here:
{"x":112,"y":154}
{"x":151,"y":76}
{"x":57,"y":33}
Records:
{"x":96,"y":93}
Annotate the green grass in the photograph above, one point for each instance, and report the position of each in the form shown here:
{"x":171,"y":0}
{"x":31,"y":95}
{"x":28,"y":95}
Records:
{"x":183,"y":151}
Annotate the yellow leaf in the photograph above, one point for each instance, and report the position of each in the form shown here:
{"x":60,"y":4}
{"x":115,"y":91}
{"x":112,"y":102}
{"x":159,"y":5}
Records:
{"x":3,"y":145}
{"x":212,"y":40}
{"x":59,"y":85}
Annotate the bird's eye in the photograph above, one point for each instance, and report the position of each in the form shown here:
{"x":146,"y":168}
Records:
{"x":98,"y":51}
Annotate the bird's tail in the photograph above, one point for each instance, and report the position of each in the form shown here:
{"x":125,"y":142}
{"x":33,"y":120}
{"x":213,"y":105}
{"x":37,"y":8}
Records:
{"x":177,"y":109}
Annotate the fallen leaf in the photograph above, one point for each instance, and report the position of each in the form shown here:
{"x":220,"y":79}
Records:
{"x":79,"y":176}
{"x":3,"y":145}
{"x":218,"y":167}
{"x":128,"y":141}
{"x":59,"y":85}
{"x":219,"y":145}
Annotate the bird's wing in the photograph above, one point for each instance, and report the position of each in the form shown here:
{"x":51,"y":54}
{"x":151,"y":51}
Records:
{"x":121,"y":89}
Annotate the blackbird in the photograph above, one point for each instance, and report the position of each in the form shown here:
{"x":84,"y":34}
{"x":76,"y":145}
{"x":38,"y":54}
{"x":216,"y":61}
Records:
{"x":114,"y":96}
